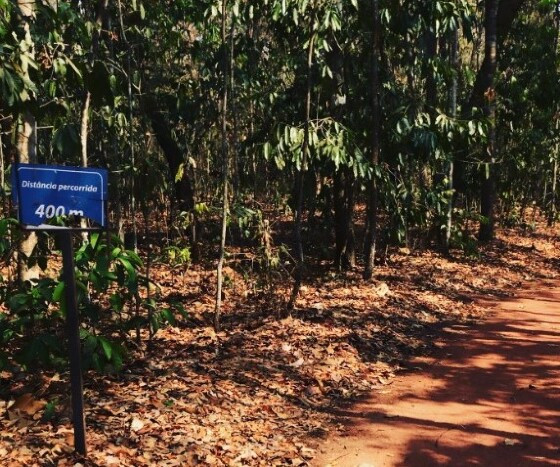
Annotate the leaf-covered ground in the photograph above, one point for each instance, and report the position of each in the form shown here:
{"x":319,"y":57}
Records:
{"x":260,"y":391}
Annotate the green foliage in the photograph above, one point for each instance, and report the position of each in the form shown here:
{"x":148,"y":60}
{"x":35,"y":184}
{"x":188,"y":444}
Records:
{"x":100,"y":353}
{"x":329,"y":141}
{"x":177,"y":256}
{"x":49,"y":412}
{"x":165,"y":315}
{"x":462,"y":236}
{"x":37,"y":312}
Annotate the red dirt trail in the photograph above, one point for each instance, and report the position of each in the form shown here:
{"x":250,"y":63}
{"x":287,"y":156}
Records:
{"x":489,"y":396}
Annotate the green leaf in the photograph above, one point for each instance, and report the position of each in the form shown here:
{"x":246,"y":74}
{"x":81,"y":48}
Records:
{"x":107,"y":347}
{"x":180,"y":172}
{"x":72,"y":65}
{"x":117,"y":302}
{"x":168,"y":316}
{"x":58,"y":292}
{"x":94,"y":239}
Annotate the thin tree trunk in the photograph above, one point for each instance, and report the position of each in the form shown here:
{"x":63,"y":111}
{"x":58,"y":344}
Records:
{"x":345,"y":254}
{"x":232,"y":103}
{"x":556,"y":154}
{"x":96,"y":36}
{"x":429,"y":174}
{"x":26,"y":129}
{"x":371,"y":233}
{"x":431,"y":52}
{"x":225,"y":170}
{"x":552,"y":216}
{"x":2,"y":173}
{"x":131,"y":130}
{"x":116,"y":195}
{"x":488,"y":182}
{"x":151,"y":330}
{"x":545,"y":188}
{"x":84,"y":142}
{"x":84,"y":129}
{"x":453,"y":59}
{"x":27,"y":154}
{"x":350,"y":253}
{"x":6,"y":129}
{"x":298,"y":246}
{"x":341,"y":237}
{"x":343,"y":193}
{"x":132,"y":156}
{"x":252,"y":59}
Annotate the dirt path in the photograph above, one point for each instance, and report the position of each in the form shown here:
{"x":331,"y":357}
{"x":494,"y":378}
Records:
{"x":490,"y":396}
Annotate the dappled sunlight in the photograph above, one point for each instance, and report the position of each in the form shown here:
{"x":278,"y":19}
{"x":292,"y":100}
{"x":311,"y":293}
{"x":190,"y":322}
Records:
{"x":490,"y":393}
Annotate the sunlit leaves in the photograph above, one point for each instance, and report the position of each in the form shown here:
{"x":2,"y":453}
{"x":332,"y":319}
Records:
{"x":329,"y":141}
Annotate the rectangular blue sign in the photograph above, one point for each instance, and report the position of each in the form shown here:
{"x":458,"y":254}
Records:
{"x":46,"y":191}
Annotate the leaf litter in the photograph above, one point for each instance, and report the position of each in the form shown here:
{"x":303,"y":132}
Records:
{"x":262,"y":392}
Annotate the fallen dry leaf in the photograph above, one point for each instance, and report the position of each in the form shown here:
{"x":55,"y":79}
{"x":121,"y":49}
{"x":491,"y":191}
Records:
{"x":262,"y":396}
{"x":136,"y":424}
{"x":27,"y":404}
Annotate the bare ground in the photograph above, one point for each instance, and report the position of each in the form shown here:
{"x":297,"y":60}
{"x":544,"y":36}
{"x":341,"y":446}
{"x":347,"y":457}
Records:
{"x":489,"y":396}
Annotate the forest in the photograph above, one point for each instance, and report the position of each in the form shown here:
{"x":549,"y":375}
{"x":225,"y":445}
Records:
{"x":321,"y":180}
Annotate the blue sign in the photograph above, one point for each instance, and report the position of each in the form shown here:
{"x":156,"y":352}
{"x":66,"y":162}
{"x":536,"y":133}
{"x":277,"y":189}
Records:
{"x":46,"y":191}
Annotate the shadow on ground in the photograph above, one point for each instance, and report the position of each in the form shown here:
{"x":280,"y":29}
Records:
{"x":489,"y":397}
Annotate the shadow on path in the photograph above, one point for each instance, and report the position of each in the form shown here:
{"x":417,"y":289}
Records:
{"x":489,"y":396}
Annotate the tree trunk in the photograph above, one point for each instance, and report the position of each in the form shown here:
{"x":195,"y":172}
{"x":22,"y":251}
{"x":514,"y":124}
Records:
{"x":298,"y":241}
{"x":132,"y":154}
{"x":371,"y":234}
{"x":552,"y":215}
{"x":3,"y":176}
{"x":96,"y":36}
{"x":556,"y":154}
{"x":27,"y":139}
{"x":453,"y":88}
{"x":27,"y":154}
{"x":488,"y":176}
{"x":84,"y":141}
{"x":84,"y":129}
{"x":504,"y":15}
{"x":343,"y":192}
{"x":431,"y":52}
{"x":340,"y":233}
{"x":430,"y":176}
{"x":225,"y":167}
{"x":349,"y":257}
{"x":507,"y":12}
{"x":183,"y":188}
{"x":235,"y":143}
{"x":345,"y":254}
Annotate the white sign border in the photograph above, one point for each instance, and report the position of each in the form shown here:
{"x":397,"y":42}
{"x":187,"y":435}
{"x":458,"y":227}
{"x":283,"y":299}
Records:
{"x":45,"y":169}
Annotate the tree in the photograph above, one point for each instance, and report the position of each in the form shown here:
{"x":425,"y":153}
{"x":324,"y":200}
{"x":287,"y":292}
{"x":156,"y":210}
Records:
{"x":27,"y":140}
{"x":488,"y":175}
{"x":371,"y":231}
{"x":225,"y":167}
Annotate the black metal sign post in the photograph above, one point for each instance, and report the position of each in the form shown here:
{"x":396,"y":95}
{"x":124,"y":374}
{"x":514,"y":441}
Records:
{"x":73,"y":325}
{"x":41,"y":193}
